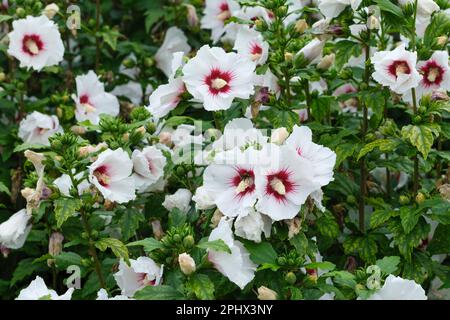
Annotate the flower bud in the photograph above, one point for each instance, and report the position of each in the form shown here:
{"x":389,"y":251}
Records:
{"x":290,"y":277}
{"x":4,"y":251}
{"x":441,"y":41}
{"x":51,"y":10}
{"x":126,"y":136}
{"x":2,"y":76}
{"x":188,"y":241}
{"x":279,"y":135}
{"x":312,"y":50}
{"x":294,"y":227}
{"x":187,"y":264}
{"x":439,"y":95}
{"x":265,"y":293}
{"x":157,"y":229}
{"x":301,"y":25}
{"x":191,"y":16}
{"x":165,"y":138}
{"x":78,"y":130}
{"x":288,"y":56}
{"x":55,"y":244}
{"x":326,"y":62}
{"x":403,"y":199}
{"x":141,"y":130}
{"x":420,"y":198}
{"x":373,"y":23}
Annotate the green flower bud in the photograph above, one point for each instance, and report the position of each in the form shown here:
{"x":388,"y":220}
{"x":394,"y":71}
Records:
{"x":290,"y":277}
{"x":420,"y":198}
{"x":188,"y":241}
{"x":403,"y":199}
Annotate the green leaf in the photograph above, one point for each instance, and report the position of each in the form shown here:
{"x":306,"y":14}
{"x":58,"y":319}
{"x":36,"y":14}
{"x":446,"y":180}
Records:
{"x":161,"y":292}
{"x":65,"y":208}
{"x":385,"y":145}
{"x":110,"y":37}
{"x":25,"y":268}
{"x":325,"y":265}
{"x":26,"y":146}
{"x":409,"y":218}
{"x":345,"y":49}
{"x":177,"y":218}
{"x":66,"y":259}
{"x":149,"y":244}
{"x":202,"y":286}
{"x":327,"y":225}
{"x":261,"y":253}
{"x":343,"y":278}
{"x":4,"y":188}
{"x":116,"y":246}
{"x":129,"y":223}
{"x":440,"y":244}
{"x":388,"y":265}
{"x":344,"y":151}
{"x":300,"y":242}
{"x":365,"y":246}
{"x":420,"y":136}
{"x":4,"y":18}
{"x":216,"y":245}
{"x":379,"y":217}
{"x":152,"y":16}
{"x":388,"y":6}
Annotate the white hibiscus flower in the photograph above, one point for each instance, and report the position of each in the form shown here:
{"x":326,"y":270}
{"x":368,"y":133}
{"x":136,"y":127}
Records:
{"x":110,"y":174}
{"x":92,"y":100}
{"x":216,"y":78}
{"x":36,"y":42}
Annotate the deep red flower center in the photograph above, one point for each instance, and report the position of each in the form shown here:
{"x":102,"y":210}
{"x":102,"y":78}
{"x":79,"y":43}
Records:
{"x":224,"y":11}
{"x":218,"y":81}
{"x":101,"y":173}
{"x":32,"y":44}
{"x":243,"y":182}
{"x":255,"y":49}
{"x":143,"y":280}
{"x":279,"y":184}
{"x":432,"y":73}
{"x":399,"y":67}
{"x":84,"y":99}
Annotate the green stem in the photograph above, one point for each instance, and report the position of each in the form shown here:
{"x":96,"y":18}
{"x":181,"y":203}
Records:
{"x":364,"y":127}
{"x":87,"y":227}
{"x":97,"y":39}
{"x":416,"y":157}
{"x":308,"y":99}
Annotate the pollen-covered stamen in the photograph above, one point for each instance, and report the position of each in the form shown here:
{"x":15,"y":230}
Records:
{"x":101,"y":173}
{"x":218,"y":83}
{"x":399,"y":67}
{"x":243,"y":182}
{"x":278,"y":186}
{"x":224,"y":12}
{"x":433,"y":74}
{"x":32,"y":44}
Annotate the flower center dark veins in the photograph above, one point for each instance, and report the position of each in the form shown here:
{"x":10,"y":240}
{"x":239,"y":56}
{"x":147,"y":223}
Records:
{"x":218,"y":81}
{"x":101,"y":173}
{"x":279,"y":184}
{"x":32,"y":44}
{"x":399,"y":67}
{"x":243,"y":182}
{"x":432,"y":73}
